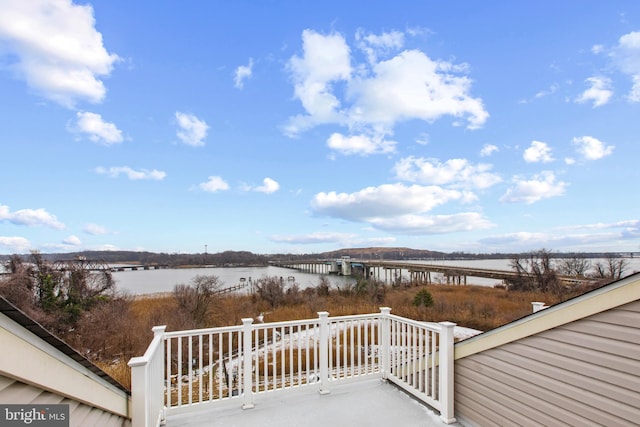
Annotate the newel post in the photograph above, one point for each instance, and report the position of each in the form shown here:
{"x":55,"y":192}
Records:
{"x":323,"y":346}
{"x":158,"y":371}
{"x":147,"y":378}
{"x":537,"y":306}
{"x":247,"y":358}
{"x":446,"y":360}
{"x":385,"y":350}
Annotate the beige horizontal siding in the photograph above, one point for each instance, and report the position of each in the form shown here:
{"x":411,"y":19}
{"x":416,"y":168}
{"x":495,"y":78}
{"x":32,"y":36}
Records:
{"x":583,"y":373}
{"x":17,"y":392}
{"x":597,"y":374}
{"x":489,"y":403}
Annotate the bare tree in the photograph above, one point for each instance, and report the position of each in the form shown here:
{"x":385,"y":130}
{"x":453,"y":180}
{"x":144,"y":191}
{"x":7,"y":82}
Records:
{"x":323,"y":287}
{"x":534,"y":272}
{"x":611,"y":268}
{"x":105,"y":331}
{"x":196,"y":298}
{"x":575,"y":266}
{"x":372,"y":289}
{"x":271,"y":289}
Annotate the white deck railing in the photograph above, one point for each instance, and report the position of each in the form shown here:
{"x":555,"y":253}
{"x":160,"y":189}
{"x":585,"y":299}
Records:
{"x":242,"y":363}
{"x":147,"y":373}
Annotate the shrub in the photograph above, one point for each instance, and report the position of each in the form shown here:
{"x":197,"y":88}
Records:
{"x":423,"y":299}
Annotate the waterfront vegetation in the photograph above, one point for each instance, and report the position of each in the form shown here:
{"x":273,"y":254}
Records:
{"x":109,"y":328}
{"x":475,"y":307}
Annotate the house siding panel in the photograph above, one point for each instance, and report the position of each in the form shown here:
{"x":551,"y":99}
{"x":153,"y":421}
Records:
{"x":622,"y":364}
{"x":488,"y":396}
{"x":586,"y":372}
{"x":608,"y":331}
{"x":596,"y":373}
{"x":12,"y":391}
{"x":509,"y":391}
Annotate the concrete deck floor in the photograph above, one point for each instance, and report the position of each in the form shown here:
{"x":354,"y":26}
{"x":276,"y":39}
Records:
{"x":368,"y":403}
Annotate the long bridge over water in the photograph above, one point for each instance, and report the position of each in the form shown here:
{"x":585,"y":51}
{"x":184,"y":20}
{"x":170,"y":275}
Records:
{"x":391,"y":271}
{"x":388,"y":271}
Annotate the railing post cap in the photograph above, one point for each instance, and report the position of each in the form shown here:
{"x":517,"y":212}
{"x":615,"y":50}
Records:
{"x":385,"y":310}
{"x":136,"y":361}
{"x":447,"y":324}
{"x":159,"y":329}
{"x":247,"y":320}
{"x":323,"y":313}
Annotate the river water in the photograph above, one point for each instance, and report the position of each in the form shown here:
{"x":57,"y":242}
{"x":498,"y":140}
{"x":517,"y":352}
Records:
{"x":153,"y":281}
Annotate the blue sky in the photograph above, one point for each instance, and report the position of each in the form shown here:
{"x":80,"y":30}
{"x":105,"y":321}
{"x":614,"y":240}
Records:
{"x":301,"y":127}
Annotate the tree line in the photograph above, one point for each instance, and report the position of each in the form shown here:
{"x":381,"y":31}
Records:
{"x":541,"y":271}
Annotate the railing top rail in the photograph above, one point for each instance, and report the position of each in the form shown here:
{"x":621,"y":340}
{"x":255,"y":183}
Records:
{"x":204,"y":331}
{"x":354,"y":317}
{"x":288,"y":323}
{"x":427,"y":325}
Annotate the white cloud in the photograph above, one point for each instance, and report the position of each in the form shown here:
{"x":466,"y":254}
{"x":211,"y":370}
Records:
{"x":360,"y":144}
{"x":627,"y":225}
{"x":587,"y":236}
{"x":385,"y":201}
{"x":54,"y":46}
{"x":373,"y":97}
{"x":454,"y":172}
{"x":401,"y":209}
{"x":132,"y":174}
{"x":541,"y":94}
{"x":538,"y":152}
{"x":72,"y":240}
{"x":96,"y":128}
{"x":600,"y":91}
{"x":242,"y":73}
{"x":214,"y":184}
{"x":634,"y":94}
{"x":312,"y":238}
{"x":191,"y":130}
{"x":539,"y":187}
{"x":597,"y":48}
{"x":15,"y":244}
{"x":423,"y":139}
{"x":110,"y":247}
{"x":488,"y":149}
{"x":30,"y":217}
{"x":626,"y":56}
{"x":374,"y":45}
{"x":550,"y":91}
{"x":522,"y":239}
{"x":326,"y":59}
{"x":268,"y":186}
{"x":432,"y":224}
{"x":591,"y":148}
{"x":413,"y":86}
{"x":94,"y":229}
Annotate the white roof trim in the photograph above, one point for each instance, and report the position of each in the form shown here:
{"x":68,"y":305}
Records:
{"x":33,"y":361}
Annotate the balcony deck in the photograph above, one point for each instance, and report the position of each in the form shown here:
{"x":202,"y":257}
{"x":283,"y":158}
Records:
{"x":324,"y":371}
{"x":363,"y":403}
